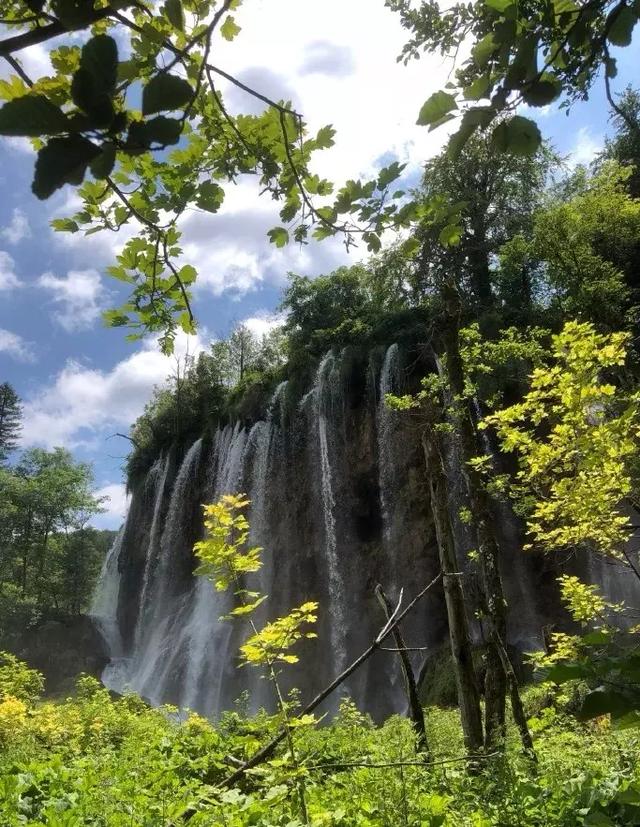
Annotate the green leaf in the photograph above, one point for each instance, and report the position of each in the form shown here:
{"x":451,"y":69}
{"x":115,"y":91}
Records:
{"x":517,"y":136}
{"x":102,"y":166}
{"x":278,"y":236}
{"x":325,"y":137}
{"x":165,"y":92}
{"x":389,"y":174}
{"x":479,"y":116}
{"x":436,"y":107}
{"x":561,"y":672}
{"x":65,"y":225}
{"x":478,"y":89}
{"x":210,"y":196}
{"x":174,"y":14}
{"x":32,"y":116}
{"x":499,"y":5}
{"x":99,"y":57}
{"x":542,"y":92}
{"x":604,"y":701}
{"x":484,"y":49}
{"x":162,"y":130}
{"x":62,"y":161}
{"x":229,"y":28}
{"x":598,"y":820}
{"x":372,"y":240}
{"x":620,"y":25}
{"x":450,"y":235}
{"x":86,"y":96}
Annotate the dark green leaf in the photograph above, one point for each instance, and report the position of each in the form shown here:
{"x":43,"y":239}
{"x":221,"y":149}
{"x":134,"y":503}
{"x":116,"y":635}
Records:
{"x":478,"y":89}
{"x":210,"y":196}
{"x":325,"y":136}
{"x":499,"y":5}
{"x":435,"y":107}
{"x":598,"y":820}
{"x":389,"y":174}
{"x":517,"y":136}
{"x":99,"y":58}
{"x":165,"y":92}
{"x":278,"y":236}
{"x":484,"y":49}
{"x":96,"y":104}
{"x":542,"y":92}
{"x":629,"y":796}
{"x":174,"y":13}
{"x":620,"y":24}
{"x":604,"y":701}
{"x":102,"y":166}
{"x":32,"y":116}
{"x":480,"y":116}
{"x":62,"y":161}
{"x":450,"y":235}
{"x":162,"y":130}
{"x":561,"y":672}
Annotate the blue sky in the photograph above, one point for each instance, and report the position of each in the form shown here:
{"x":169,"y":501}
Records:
{"x":80,"y":381}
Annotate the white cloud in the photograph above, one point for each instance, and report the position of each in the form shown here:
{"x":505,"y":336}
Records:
{"x":8,"y":278}
{"x":370,"y":99}
{"x":262,"y":323}
{"x":325,"y":58}
{"x":18,"y":229}
{"x":586,"y":148}
{"x":15,"y":346}
{"x":115,"y":505}
{"x":80,"y":296}
{"x":83,"y":403}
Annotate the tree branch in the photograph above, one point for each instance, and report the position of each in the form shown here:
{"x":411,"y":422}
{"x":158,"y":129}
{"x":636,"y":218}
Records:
{"x":44,"y":33}
{"x":268,"y":750}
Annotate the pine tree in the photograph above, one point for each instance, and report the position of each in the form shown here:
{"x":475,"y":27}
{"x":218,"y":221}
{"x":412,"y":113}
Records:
{"x":10,"y":420}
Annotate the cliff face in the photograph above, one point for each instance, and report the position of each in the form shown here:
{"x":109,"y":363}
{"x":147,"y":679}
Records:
{"x":339,"y":502}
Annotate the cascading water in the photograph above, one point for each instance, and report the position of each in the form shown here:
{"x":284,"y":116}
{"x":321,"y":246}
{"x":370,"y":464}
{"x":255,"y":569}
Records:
{"x":158,"y":476}
{"x":388,"y":451}
{"x":339,"y":502}
{"x":104,"y":606}
{"x":206,"y":637}
{"x":148,"y":670}
{"x":325,"y":392}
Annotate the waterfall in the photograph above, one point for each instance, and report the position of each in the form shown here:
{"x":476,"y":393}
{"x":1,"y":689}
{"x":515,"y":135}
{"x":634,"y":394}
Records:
{"x":388,"y":451}
{"x":324,"y":408}
{"x":206,"y":637}
{"x":104,"y":606}
{"x":158,"y":476}
{"x":339,"y":502}
{"x":148,"y":669}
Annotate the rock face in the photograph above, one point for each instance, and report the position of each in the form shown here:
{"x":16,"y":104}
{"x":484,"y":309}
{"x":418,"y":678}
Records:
{"x":339,"y":502}
{"x":62,"y":650}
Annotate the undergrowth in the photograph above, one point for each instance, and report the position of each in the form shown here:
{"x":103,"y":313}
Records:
{"x":96,"y":760}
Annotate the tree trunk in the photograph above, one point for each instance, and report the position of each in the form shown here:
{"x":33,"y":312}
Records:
{"x":461,"y":652}
{"x":415,"y":707}
{"x":488,"y":549}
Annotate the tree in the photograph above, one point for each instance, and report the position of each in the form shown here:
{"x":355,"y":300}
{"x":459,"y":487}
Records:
{"x":624,"y":146}
{"x":243,"y":348}
{"x":149,"y":166}
{"x":86,"y":118}
{"x":534,"y":53}
{"x":575,"y":435}
{"x":498,"y":195}
{"x":581,"y":257}
{"x":10,"y":420}
{"x":49,"y":493}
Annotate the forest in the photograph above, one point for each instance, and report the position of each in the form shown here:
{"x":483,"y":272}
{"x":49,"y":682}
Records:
{"x":380,"y":564}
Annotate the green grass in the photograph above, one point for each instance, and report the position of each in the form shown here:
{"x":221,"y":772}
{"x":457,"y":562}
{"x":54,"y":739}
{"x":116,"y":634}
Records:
{"x":92,"y":760}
